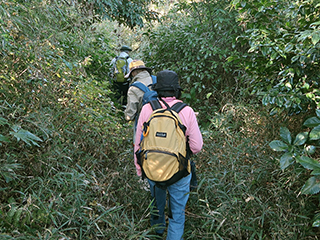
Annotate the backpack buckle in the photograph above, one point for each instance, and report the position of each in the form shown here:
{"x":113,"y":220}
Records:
{"x":146,"y":129}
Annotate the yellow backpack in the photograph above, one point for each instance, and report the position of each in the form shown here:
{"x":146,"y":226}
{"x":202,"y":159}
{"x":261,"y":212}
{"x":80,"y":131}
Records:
{"x":120,"y":69}
{"x":163,"y":154}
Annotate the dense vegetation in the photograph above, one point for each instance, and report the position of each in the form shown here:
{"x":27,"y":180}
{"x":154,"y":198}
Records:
{"x":248,"y":67}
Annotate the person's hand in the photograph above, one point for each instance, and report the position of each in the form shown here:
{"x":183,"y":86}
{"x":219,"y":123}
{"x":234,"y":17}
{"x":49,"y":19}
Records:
{"x":127,"y":118}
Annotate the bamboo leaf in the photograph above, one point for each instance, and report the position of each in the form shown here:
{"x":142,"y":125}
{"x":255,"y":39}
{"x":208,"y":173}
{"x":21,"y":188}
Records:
{"x":3,"y":121}
{"x":304,"y":35}
{"x":4,"y":138}
{"x":26,"y":136}
{"x":315,"y":38}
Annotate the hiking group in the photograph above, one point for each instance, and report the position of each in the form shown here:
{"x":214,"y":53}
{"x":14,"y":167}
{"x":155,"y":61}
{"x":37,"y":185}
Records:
{"x":166,"y":134}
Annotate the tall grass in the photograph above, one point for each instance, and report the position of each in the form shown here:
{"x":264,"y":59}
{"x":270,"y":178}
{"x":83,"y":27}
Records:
{"x":77,"y":179}
{"x":243,"y":194}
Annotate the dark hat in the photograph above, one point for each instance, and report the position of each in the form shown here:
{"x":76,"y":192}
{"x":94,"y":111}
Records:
{"x":137,"y":64}
{"x":125,"y":48}
{"x":167,"y":80}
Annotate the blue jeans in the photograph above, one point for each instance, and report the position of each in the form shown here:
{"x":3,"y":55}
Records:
{"x":178,"y":197}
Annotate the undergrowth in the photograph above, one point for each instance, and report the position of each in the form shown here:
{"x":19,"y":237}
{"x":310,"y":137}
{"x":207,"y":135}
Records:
{"x":243,"y":194}
{"x":76,"y":186}
{"x":66,"y":154}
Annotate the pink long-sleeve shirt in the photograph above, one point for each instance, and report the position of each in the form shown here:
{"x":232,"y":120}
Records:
{"x":188,"y":119}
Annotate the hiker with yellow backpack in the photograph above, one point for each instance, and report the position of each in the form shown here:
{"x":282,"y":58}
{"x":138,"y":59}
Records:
{"x":167,"y":135}
{"x":120,"y":67}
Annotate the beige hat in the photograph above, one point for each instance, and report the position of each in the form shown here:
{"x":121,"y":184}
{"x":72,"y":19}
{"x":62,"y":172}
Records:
{"x":137,"y":64}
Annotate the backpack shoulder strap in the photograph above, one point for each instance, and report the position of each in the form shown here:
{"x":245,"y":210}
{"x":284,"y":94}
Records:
{"x":177,"y":107}
{"x":126,"y":58}
{"x":115,"y":61}
{"x":155,"y":104}
{"x":141,"y":86}
{"x":154,"y":79}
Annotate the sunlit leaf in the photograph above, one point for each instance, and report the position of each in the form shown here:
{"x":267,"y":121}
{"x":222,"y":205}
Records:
{"x":286,"y":160}
{"x":301,"y":138}
{"x":316,"y":220}
{"x":308,"y":163}
{"x":315,"y":38}
{"x":278,"y":145}
{"x":304,"y":35}
{"x":310,"y":149}
{"x":312,"y":122}
{"x":315,"y":133}
{"x":316,"y":223}
{"x":26,"y":136}
{"x":315,"y":23}
{"x":285,"y":135}
{"x":312,"y":186}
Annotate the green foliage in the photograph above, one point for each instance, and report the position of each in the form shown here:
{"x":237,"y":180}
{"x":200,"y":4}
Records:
{"x":243,"y":194}
{"x":195,"y":40}
{"x":8,"y":170}
{"x":299,"y":151}
{"x":71,"y":174}
{"x":282,"y":62}
{"x":129,"y":13}
{"x":284,"y":48}
{"x":61,"y":135}
{"x":24,"y":135}
{"x":74,"y":203}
